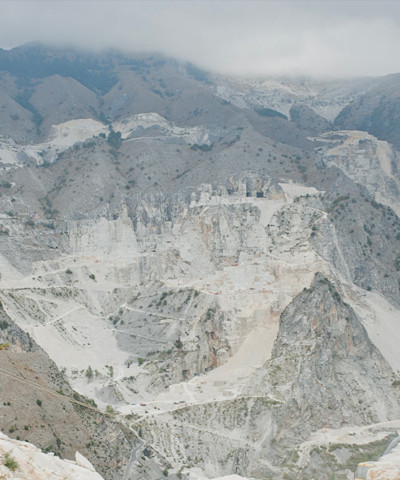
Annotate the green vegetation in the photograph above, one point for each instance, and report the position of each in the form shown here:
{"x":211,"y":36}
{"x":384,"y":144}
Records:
{"x":47,"y":207}
{"x":23,"y":98}
{"x":10,"y":462}
{"x":110,"y":410}
{"x":210,"y":313}
{"x":202,"y":148}
{"x":336,"y":202}
{"x":362,"y":453}
{"x":83,"y":399}
{"x":3,"y":324}
{"x":269,"y":112}
{"x":114,"y":139}
{"x":397,"y":263}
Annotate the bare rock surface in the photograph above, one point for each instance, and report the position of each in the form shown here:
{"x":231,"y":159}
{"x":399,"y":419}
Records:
{"x":24,"y":460}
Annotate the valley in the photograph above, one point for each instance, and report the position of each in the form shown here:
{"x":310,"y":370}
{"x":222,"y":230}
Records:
{"x":211,"y":264}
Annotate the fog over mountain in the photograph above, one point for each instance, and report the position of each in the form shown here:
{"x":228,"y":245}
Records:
{"x":199,"y":266}
{"x":323,"y":38}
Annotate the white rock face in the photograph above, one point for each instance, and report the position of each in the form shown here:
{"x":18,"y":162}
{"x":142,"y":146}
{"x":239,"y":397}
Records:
{"x":326,"y":98}
{"x":142,"y":121}
{"x":62,"y":137}
{"x":33,"y":464}
{"x":367,"y":161}
{"x":247,"y":256}
{"x":65,"y":135}
{"x":381,"y":319}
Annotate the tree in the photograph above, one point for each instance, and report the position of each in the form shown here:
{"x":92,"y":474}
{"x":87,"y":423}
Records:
{"x":114,"y":139}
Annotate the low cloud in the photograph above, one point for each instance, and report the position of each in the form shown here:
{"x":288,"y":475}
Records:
{"x":319,"y":38}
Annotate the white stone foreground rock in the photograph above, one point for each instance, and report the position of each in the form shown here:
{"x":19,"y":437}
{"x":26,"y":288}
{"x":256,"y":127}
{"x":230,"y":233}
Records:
{"x":25,"y":461}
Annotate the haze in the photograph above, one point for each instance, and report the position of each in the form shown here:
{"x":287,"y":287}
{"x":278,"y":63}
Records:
{"x":320,"y":38}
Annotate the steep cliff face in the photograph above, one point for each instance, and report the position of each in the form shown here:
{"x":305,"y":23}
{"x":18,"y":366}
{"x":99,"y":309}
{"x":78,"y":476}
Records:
{"x":325,"y":366}
{"x":324,"y":375}
{"x":329,"y":377}
{"x":367,"y":161}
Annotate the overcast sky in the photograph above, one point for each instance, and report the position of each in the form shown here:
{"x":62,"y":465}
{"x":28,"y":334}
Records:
{"x":320,"y":38}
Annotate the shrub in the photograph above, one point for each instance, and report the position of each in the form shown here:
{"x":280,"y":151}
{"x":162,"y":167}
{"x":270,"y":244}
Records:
{"x":397,"y":263}
{"x":10,"y":462}
{"x":109,"y":410}
{"x":269,"y":112}
{"x":114,"y":139}
{"x":202,"y":148}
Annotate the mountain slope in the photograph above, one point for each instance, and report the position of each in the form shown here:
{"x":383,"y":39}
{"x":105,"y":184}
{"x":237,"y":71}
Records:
{"x":32,"y":413}
{"x":376,"y":112}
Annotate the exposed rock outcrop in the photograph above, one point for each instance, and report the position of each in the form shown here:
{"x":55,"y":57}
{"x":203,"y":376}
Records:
{"x":24,"y":460}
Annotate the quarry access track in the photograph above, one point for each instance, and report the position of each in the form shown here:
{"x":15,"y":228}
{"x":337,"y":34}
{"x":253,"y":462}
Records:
{"x":205,"y":402}
{"x":51,"y":392}
{"x":77,"y":402}
{"x":90,"y":407}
